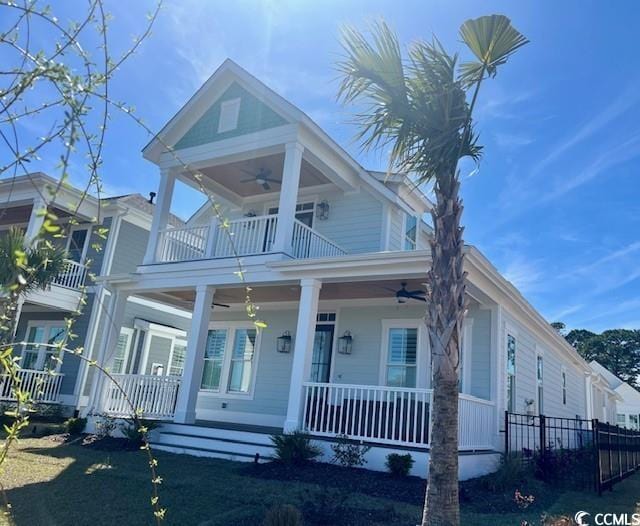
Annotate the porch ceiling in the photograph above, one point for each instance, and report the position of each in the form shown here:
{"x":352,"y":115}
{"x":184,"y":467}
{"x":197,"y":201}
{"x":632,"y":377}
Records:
{"x":16,"y":215}
{"x":229,"y":176}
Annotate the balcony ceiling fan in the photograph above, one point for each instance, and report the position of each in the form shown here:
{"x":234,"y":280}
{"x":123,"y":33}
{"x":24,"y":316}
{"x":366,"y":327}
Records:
{"x":263,"y":177}
{"x":403,"y":295}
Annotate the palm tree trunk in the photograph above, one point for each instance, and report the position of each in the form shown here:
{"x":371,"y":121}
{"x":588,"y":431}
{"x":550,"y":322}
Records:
{"x":445,"y":313}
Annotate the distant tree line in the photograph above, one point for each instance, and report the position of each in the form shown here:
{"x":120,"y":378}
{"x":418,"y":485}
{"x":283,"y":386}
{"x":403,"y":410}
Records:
{"x":616,"y":349}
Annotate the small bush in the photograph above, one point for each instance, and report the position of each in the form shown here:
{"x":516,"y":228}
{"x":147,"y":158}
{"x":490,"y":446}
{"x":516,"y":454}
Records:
{"x":399,"y":465}
{"x":294,"y":448}
{"x":348,"y":454}
{"x":508,"y":477}
{"x":283,"y":515}
{"x":134,"y":434}
{"x":75,"y":426}
{"x":105,"y":425}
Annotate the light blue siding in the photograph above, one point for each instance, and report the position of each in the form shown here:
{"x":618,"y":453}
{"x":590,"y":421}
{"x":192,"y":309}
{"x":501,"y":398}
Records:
{"x":481,"y":353}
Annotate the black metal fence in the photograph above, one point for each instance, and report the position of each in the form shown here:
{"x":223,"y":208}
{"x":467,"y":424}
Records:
{"x":573,"y":451}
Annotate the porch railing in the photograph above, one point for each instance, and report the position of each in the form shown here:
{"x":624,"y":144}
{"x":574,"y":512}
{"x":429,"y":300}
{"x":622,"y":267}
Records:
{"x":183,"y":244}
{"x":250,"y":235}
{"x":307,"y":243}
{"x":73,"y":275}
{"x":391,"y":415}
{"x":153,"y":396}
{"x":43,"y":386}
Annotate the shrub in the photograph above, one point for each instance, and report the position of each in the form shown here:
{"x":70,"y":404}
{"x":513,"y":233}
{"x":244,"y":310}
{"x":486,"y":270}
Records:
{"x":294,"y":448}
{"x":509,"y":475}
{"x":283,"y":515}
{"x":75,"y":426}
{"x":135,"y":434}
{"x":348,"y":454}
{"x":399,"y":465}
{"x":105,"y":425}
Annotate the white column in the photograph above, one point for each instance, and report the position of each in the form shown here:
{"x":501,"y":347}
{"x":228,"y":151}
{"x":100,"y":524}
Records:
{"x":303,"y":350}
{"x":185,"y":412}
{"x":113,"y":319}
{"x":160,"y":214}
{"x":288,"y":197}
{"x":36,"y":219}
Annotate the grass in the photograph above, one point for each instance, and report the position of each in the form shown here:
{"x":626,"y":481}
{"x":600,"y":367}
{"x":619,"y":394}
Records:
{"x":52,"y":483}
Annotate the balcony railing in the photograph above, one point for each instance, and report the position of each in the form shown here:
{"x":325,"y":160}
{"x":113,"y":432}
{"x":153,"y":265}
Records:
{"x":43,"y":386}
{"x":248,"y":236}
{"x":391,"y":415}
{"x":307,"y":243}
{"x":72,"y":277}
{"x":153,"y":396}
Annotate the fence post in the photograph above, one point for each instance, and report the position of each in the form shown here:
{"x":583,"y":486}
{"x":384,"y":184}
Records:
{"x":506,"y":432}
{"x":543,"y":435}
{"x":595,"y":429}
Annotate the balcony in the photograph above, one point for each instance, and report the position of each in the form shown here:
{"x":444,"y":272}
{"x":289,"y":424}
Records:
{"x":43,"y":386}
{"x":65,"y":290}
{"x":72,"y":277}
{"x":248,"y":236}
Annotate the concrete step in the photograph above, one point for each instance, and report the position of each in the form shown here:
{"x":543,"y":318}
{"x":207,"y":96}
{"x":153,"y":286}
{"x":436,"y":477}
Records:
{"x":214,"y":432}
{"x":197,"y":452}
{"x":229,"y":445}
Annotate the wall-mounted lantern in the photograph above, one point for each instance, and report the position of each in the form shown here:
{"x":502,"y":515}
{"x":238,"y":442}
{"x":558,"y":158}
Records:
{"x":345,"y":343}
{"x":284,"y":342}
{"x":322,"y":210}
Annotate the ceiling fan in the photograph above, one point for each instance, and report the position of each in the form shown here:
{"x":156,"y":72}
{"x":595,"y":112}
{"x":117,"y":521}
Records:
{"x":263,"y":177}
{"x":214,"y":304}
{"x":403,"y":295}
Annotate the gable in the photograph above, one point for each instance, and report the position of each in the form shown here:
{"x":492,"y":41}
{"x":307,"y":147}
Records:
{"x":253,"y":116}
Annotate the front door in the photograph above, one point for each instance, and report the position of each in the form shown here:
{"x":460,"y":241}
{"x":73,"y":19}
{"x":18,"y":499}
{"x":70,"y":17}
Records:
{"x":322,"y":350}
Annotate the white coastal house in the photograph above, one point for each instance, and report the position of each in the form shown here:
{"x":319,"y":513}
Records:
{"x":628,"y":402}
{"x":335,"y":256}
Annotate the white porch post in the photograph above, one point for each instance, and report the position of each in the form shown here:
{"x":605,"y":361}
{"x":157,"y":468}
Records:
{"x":185,"y":412}
{"x":108,"y":344}
{"x":288,"y":197}
{"x":303,"y":350}
{"x":36,"y":219}
{"x":160,"y":214}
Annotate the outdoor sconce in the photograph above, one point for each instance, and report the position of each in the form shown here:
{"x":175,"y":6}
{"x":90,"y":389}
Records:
{"x":322,"y":210}
{"x":284,"y":342}
{"x":345,"y":343}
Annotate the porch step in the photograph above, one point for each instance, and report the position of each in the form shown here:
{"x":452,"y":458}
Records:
{"x":212,"y":442}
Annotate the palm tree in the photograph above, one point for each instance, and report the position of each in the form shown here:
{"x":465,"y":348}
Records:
{"x":421,"y":108}
{"x":24,"y":267}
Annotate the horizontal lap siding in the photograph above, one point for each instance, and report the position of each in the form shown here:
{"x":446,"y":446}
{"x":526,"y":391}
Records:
{"x":130,"y":248}
{"x":354,"y":223}
{"x":554,"y":358}
{"x":481,"y":353}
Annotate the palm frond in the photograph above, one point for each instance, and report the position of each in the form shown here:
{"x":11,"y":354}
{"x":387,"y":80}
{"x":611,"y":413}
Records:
{"x":492,"y":39}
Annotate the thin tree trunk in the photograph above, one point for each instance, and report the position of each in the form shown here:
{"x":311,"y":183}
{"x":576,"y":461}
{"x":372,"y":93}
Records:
{"x":445,"y":313}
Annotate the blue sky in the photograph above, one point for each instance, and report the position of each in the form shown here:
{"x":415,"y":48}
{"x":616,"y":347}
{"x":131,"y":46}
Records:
{"x":554,"y":203}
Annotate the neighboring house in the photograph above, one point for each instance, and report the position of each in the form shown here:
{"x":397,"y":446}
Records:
{"x":43,"y":313}
{"x":332,"y":253}
{"x":627,"y":407}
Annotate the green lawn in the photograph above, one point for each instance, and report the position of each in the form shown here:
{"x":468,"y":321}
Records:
{"x":49,"y":483}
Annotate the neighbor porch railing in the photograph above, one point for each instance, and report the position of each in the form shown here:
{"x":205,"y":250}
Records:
{"x":391,"y":415}
{"x":248,"y":236}
{"x":73,"y":275}
{"x":153,"y":396}
{"x":44,"y":386}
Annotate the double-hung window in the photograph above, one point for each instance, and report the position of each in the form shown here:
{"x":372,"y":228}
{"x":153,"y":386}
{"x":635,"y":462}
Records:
{"x":402,"y":354}
{"x":40,"y":351}
{"x":122,"y":351}
{"x":540,"y":383}
{"x":178,"y":354}
{"x":410,"y":232}
{"x":511,"y":373}
{"x":564,"y":387}
{"x":229,"y":362}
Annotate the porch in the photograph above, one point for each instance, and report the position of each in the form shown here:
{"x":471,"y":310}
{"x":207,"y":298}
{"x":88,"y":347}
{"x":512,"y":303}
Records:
{"x":44,"y":386}
{"x":370,"y":413}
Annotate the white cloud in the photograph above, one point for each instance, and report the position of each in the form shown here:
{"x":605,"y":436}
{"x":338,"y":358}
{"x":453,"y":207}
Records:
{"x":525,"y":274}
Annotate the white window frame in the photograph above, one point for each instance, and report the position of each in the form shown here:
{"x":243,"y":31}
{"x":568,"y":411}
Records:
{"x":510,"y":331}
{"x":466,"y":356}
{"x":87,"y":240}
{"x":223,"y":391}
{"x":422,"y":350}
{"x":405,"y":238}
{"x":539,"y":383}
{"x":127,"y":351}
{"x":182,"y":342}
{"x":154,"y":329}
{"x":229,"y":114}
{"x":42,"y":352}
{"x":313,"y":201}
